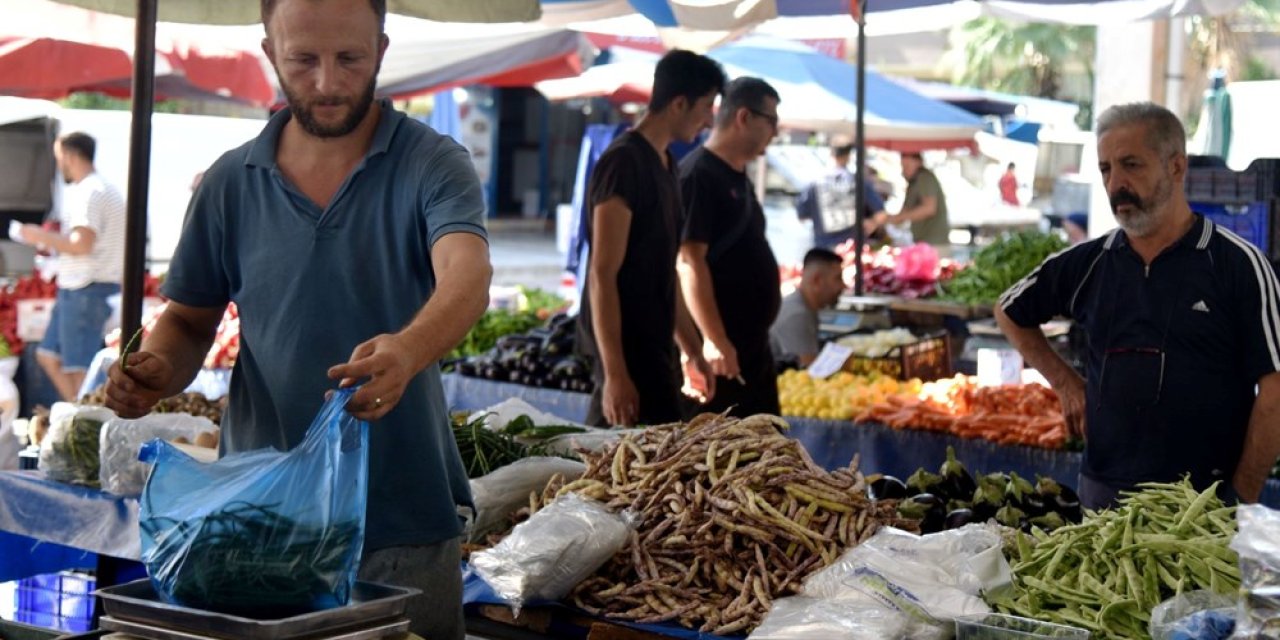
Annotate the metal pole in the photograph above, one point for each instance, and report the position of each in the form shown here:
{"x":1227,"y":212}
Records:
{"x":135,"y":237}
{"x":860,"y":176}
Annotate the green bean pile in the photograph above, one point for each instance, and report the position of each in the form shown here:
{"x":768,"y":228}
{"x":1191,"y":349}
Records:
{"x":1107,"y":573}
{"x":249,"y":561}
{"x":484,"y":450}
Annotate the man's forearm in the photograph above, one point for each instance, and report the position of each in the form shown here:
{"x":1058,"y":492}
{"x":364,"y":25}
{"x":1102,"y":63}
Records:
{"x":181,"y":344}
{"x":606,"y":323}
{"x":1261,"y":441}
{"x":449,"y":314}
{"x":458,"y":301}
{"x":1035,"y":349}
{"x":686,"y":330}
{"x":700,"y":296}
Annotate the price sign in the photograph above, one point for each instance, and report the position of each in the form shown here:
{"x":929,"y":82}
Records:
{"x":830,"y":360}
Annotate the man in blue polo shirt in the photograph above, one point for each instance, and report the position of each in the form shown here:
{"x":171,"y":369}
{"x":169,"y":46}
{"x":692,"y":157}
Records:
{"x":1183,"y":323}
{"x":352,"y":240}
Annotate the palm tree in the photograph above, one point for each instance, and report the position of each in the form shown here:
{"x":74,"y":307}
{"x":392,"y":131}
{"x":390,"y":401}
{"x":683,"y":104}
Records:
{"x":1220,"y":42}
{"x":1023,"y":58}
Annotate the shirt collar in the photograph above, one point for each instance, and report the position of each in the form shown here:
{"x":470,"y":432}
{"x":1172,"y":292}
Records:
{"x":1197,"y":237}
{"x":263,"y":151}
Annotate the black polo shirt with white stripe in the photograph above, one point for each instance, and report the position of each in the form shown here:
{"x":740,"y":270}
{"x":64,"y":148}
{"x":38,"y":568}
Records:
{"x":1175,"y":348}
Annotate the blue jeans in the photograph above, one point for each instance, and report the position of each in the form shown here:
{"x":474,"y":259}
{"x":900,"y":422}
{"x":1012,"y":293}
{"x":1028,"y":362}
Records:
{"x":76,"y":324}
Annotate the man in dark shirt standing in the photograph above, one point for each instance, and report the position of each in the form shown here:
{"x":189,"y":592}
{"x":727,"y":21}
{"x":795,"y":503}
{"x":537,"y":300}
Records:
{"x":727,"y":270}
{"x":633,"y":307}
{"x":1183,"y":358}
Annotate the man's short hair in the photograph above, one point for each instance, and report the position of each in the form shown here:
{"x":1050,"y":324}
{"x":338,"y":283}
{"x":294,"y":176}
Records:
{"x":687,"y":74}
{"x":1011,"y":166}
{"x":80,"y":144}
{"x":842,"y":150}
{"x":744,"y":93}
{"x":818,"y":256}
{"x":379,"y":8}
{"x":1165,"y":133}
{"x":914,"y":155}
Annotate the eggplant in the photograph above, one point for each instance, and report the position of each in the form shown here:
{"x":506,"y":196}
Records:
{"x":957,"y":482}
{"x":988,"y":497}
{"x":958,"y":518}
{"x":923,"y":482}
{"x":1048,"y":522}
{"x":1020,"y":494}
{"x":1060,"y":498}
{"x":1011,"y":516}
{"x":935,"y":512}
{"x":886,"y":488}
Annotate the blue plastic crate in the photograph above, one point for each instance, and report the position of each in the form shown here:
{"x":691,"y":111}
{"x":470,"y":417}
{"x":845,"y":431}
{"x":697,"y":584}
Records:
{"x":1260,"y":181}
{"x":1251,"y":221}
{"x":57,"y":600}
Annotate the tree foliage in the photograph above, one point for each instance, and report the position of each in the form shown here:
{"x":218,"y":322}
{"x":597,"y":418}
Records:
{"x":1022,"y":58}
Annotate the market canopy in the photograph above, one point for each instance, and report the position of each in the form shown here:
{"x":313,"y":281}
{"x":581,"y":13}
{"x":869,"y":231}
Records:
{"x":818,"y":94}
{"x":49,"y":50}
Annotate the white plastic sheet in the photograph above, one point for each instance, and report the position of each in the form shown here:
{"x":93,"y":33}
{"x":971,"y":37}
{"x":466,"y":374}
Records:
{"x":502,"y":492}
{"x":552,"y":551}
{"x":896,"y":584}
{"x":121,"y":472}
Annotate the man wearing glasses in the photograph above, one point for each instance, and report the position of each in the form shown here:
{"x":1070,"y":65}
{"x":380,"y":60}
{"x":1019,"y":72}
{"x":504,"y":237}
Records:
{"x":1183,"y":323}
{"x":728,"y":274}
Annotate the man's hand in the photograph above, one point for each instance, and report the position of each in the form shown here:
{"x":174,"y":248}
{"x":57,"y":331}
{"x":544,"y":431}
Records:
{"x":621,"y":401}
{"x":132,"y":391}
{"x":723,"y":358}
{"x":384,"y":364}
{"x":699,"y":380}
{"x":1071,"y":395}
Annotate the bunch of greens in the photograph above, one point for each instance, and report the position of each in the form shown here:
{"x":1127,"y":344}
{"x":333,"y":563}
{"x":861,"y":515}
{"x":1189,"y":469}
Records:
{"x":484,"y":450}
{"x":999,"y":265}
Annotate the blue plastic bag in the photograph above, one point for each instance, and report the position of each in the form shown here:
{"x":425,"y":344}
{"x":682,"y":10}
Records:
{"x":260,"y":534}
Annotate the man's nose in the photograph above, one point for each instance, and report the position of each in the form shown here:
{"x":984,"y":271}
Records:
{"x":326,"y":76}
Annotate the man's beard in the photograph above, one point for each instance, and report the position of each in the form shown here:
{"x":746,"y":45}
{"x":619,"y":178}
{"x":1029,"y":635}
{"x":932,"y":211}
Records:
{"x":302,"y":111}
{"x":1142,"y":219}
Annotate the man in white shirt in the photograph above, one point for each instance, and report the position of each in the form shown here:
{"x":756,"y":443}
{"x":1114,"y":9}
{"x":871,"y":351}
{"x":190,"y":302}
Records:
{"x":90,"y":264}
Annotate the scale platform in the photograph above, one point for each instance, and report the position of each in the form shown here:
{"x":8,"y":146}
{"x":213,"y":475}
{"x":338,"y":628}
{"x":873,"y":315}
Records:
{"x":854,"y":313}
{"x":375,"y":611}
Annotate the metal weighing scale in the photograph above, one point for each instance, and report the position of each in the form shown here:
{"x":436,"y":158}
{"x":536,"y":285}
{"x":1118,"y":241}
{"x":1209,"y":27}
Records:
{"x":375,"y":611}
{"x":854,"y":313}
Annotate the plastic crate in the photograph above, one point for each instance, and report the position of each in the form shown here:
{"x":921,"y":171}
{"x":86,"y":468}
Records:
{"x":996,"y":626}
{"x":1261,"y":181}
{"x":928,"y":359}
{"x":57,"y":601}
{"x":1252,"y":221}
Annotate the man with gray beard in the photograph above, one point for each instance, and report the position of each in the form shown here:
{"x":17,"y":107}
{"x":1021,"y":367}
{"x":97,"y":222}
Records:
{"x":1181,"y":374}
{"x":352,"y":240}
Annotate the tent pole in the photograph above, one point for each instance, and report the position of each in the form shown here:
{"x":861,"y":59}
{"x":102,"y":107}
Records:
{"x":135,"y":242}
{"x":860,"y":176}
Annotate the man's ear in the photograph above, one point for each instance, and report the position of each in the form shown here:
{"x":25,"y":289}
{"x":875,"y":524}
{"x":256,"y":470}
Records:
{"x":269,"y":50}
{"x":1178,"y":166}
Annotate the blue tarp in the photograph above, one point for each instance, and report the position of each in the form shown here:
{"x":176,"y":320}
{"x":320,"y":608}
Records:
{"x":817,"y":88}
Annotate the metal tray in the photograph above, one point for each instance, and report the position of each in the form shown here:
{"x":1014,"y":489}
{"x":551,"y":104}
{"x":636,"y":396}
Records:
{"x":148,"y":632}
{"x":370,"y":603}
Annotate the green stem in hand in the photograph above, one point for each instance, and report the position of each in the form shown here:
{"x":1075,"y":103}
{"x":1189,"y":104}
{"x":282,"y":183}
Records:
{"x":130,"y":347}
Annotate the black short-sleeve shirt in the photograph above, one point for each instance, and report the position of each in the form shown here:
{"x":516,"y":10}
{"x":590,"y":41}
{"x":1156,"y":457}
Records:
{"x":721,"y":210}
{"x":632,"y":169}
{"x":1175,"y":348}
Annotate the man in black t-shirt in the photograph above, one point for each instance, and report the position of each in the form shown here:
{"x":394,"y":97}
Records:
{"x":633,"y":308}
{"x":727,"y":270}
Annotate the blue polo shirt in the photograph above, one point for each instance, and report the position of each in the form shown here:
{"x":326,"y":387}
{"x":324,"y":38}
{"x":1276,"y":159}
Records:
{"x":313,"y":283}
{"x":1174,"y":351}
